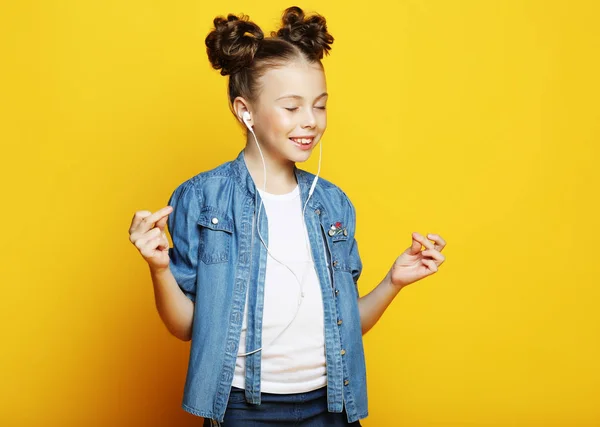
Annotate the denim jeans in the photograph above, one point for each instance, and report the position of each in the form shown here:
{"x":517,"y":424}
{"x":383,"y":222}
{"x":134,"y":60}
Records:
{"x":301,"y":409}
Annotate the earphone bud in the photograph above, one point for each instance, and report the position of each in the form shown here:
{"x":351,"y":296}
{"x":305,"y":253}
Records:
{"x":246,"y":119}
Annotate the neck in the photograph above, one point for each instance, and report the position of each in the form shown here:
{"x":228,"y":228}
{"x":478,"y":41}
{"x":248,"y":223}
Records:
{"x":281,"y":178}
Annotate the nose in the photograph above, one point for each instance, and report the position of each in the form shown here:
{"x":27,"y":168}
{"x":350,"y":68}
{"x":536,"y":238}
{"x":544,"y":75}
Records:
{"x":309,"y":120}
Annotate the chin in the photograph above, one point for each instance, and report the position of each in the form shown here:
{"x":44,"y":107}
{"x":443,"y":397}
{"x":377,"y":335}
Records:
{"x":300,"y":157}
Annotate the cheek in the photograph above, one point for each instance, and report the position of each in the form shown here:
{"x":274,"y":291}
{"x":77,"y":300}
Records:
{"x":279,"y":122}
{"x":322,"y":120}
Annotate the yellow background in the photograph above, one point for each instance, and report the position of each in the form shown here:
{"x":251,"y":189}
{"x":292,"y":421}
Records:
{"x":478,"y":120}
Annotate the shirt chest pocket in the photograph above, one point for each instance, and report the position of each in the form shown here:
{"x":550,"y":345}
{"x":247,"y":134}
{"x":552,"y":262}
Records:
{"x":337,"y":239}
{"x":340,"y":251}
{"x":216,"y":234}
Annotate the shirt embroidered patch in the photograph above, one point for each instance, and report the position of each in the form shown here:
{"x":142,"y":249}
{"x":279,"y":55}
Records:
{"x":337,"y":228}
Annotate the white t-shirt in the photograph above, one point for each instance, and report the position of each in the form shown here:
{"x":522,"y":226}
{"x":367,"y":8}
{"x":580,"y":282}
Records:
{"x":295,"y":361}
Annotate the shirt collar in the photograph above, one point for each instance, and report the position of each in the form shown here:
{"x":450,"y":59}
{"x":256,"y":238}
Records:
{"x":244,"y":179}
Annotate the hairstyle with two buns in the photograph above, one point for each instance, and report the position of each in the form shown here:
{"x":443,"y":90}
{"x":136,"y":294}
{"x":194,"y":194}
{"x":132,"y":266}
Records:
{"x":239,"y":48}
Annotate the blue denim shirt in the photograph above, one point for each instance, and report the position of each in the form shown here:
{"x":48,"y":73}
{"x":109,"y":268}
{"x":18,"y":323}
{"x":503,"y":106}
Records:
{"x":217,"y":259}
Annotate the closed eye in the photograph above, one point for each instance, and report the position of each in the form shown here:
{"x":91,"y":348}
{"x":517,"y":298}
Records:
{"x":296,"y":108}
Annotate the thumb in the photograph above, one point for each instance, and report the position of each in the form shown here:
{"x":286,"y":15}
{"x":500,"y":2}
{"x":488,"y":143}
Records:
{"x":415,"y":248}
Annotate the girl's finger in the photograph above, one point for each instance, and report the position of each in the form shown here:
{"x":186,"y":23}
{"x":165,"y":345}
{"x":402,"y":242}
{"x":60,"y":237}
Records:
{"x":422,"y":240}
{"x":440,"y":243}
{"x":148,"y":222}
{"x":143,"y":238}
{"x":430,"y":264}
{"x":161,"y":222}
{"x":137,"y":218}
{"x":436,"y":255}
{"x":150,"y":247}
{"x":164,"y":242}
{"x":154,"y":232}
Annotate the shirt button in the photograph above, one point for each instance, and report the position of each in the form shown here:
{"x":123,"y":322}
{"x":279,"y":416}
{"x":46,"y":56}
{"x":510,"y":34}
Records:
{"x":335,"y":263}
{"x":318,"y":211}
{"x":337,"y":292}
{"x":343,"y":352}
{"x":339,"y":321}
{"x":346,"y":382}
{"x":215,"y":221}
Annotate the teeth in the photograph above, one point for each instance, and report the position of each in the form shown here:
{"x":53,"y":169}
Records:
{"x":304,"y":141}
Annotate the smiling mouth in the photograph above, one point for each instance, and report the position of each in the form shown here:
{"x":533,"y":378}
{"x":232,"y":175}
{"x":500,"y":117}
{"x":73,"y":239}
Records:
{"x":303,"y":141}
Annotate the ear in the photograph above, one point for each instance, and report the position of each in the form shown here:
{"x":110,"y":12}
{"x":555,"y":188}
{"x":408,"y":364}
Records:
{"x":240,"y":106}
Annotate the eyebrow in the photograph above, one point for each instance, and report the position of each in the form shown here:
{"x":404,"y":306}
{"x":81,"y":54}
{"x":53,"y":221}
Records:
{"x":300,"y":97}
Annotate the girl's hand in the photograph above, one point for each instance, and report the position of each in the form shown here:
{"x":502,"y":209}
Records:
{"x":147,"y":233}
{"x":414,"y":264}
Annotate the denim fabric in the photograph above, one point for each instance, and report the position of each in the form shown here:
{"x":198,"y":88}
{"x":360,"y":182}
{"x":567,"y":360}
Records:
{"x":299,"y":409}
{"x":218,"y":259}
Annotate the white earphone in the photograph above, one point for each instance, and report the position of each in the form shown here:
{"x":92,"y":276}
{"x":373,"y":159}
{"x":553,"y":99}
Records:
{"x":246,"y":119}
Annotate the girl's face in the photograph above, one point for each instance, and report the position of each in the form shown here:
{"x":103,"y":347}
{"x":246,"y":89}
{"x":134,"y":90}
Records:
{"x":289,"y":115}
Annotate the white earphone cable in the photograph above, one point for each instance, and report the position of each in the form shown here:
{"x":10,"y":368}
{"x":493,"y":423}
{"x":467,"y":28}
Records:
{"x":300,"y":282}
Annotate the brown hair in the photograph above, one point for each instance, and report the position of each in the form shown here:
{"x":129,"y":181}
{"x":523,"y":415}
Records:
{"x":239,"y":48}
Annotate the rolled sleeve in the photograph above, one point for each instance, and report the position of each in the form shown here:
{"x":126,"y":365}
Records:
{"x":183,"y":228}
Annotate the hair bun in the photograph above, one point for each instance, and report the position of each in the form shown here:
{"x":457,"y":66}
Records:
{"x":308,"y":33}
{"x":231,"y":45}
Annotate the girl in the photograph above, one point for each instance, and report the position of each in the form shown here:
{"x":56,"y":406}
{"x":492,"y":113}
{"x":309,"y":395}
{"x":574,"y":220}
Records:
{"x":263,"y":278}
